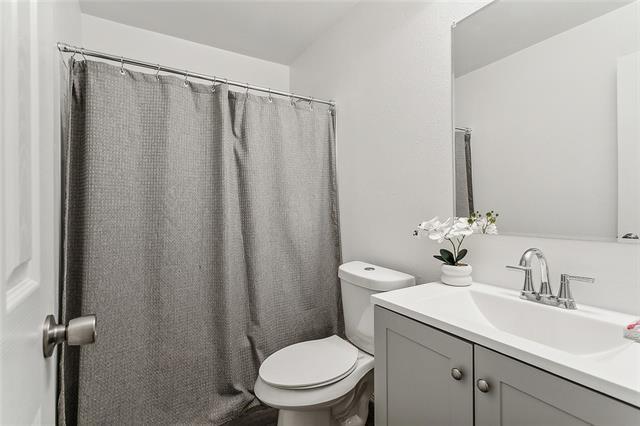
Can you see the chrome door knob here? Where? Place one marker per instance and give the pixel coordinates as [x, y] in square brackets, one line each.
[483, 385]
[79, 331]
[456, 373]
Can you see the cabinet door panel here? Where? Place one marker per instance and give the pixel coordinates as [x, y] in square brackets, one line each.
[413, 382]
[522, 395]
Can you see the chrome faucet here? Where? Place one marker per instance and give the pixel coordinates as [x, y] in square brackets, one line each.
[528, 291]
[564, 299]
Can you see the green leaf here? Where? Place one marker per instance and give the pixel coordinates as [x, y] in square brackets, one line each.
[461, 254]
[448, 257]
[440, 258]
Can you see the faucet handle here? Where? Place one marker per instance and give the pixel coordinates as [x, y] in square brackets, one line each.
[527, 288]
[565, 298]
[567, 278]
[518, 268]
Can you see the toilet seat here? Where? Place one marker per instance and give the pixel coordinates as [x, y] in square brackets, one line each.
[310, 364]
[322, 396]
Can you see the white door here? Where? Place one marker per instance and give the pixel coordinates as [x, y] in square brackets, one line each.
[29, 210]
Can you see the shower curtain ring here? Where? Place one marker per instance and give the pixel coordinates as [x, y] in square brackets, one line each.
[270, 99]
[122, 65]
[291, 100]
[311, 103]
[82, 53]
[213, 85]
[246, 87]
[186, 78]
[158, 73]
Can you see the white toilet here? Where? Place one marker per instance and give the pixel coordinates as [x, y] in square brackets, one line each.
[330, 381]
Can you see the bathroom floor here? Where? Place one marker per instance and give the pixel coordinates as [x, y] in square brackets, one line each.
[267, 416]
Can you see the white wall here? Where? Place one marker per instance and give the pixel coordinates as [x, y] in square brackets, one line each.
[389, 68]
[544, 130]
[112, 37]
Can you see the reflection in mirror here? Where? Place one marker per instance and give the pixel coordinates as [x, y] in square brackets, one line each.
[546, 107]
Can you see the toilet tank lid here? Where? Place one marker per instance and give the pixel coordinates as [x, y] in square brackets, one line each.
[374, 277]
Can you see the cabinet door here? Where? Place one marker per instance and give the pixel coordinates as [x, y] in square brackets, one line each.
[413, 377]
[520, 394]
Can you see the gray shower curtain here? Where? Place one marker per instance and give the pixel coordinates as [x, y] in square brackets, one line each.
[202, 230]
[463, 174]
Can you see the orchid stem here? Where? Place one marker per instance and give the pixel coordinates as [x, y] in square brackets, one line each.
[455, 252]
[460, 242]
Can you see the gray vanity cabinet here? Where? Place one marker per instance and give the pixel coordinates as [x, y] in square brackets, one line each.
[414, 382]
[520, 394]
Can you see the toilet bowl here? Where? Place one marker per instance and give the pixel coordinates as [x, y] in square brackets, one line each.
[336, 397]
[330, 381]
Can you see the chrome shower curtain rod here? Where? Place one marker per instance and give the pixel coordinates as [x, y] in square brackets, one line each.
[63, 47]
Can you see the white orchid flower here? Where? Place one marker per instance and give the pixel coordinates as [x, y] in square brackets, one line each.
[439, 234]
[491, 229]
[425, 227]
[455, 230]
[441, 231]
[429, 225]
[479, 224]
[461, 228]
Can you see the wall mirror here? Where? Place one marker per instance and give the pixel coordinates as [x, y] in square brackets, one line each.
[547, 117]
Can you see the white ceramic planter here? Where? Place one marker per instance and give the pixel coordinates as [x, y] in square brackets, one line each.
[459, 276]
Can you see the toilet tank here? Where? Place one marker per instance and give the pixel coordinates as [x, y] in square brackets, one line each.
[358, 281]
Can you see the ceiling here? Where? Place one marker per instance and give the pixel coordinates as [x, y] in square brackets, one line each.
[508, 26]
[276, 31]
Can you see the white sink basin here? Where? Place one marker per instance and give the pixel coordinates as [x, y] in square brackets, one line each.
[575, 331]
[584, 345]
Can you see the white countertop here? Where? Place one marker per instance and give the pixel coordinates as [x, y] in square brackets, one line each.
[609, 363]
